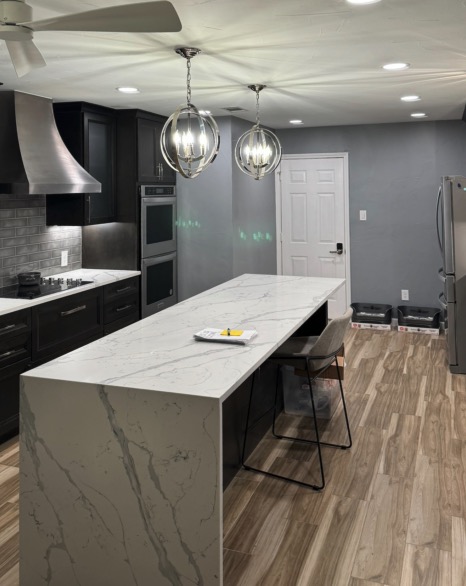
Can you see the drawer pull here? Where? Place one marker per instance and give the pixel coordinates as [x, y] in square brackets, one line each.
[124, 289]
[75, 310]
[124, 307]
[11, 352]
[10, 327]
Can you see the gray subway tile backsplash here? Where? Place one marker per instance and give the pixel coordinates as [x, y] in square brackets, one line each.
[27, 244]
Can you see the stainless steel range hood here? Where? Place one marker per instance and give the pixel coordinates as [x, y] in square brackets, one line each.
[33, 157]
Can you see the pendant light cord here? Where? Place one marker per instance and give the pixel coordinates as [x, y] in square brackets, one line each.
[188, 82]
[257, 109]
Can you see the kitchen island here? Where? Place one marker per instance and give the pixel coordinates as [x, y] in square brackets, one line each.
[121, 440]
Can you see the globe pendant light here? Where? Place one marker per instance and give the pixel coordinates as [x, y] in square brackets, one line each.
[258, 151]
[189, 140]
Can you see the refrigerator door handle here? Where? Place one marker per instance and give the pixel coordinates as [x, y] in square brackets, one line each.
[447, 226]
[442, 301]
[439, 197]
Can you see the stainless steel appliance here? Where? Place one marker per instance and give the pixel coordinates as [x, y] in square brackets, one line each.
[158, 220]
[158, 248]
[158, 283]
[451, 232]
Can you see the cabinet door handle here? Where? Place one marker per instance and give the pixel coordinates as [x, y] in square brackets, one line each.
[9, 327]
[124, 307]
[11, 352]
[124, 289]
[71, 311]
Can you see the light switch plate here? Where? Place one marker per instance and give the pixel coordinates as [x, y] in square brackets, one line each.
[405, 295]
[362, 215]
[64, 258]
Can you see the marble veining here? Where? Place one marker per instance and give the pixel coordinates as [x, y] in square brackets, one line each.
[160, 354]
[107, 491]
[99, 277]
[121, 441]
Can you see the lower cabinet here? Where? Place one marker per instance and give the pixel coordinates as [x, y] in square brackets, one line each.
[121, 305]
[15, 358]
[31, 337]
[9, 397]
[66, 324]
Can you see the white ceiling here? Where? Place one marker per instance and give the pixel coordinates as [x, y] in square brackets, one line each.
[321, 60]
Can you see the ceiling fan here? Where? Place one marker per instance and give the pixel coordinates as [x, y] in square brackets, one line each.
[17, 28]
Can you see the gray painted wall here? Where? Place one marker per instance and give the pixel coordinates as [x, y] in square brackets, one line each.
[394, 174]
[226, 220]
[27, 244]
[205, 254]
[254, 233]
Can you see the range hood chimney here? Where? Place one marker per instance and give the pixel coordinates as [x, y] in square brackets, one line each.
[33, 156]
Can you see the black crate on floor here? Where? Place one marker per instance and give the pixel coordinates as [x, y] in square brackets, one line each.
[376, 316]
[425, 320]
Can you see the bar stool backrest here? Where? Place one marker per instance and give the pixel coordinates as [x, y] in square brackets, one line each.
[330, 340]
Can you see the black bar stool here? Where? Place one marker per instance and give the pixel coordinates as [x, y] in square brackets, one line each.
[313, 354]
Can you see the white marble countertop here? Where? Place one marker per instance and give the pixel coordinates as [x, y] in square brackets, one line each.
[99, 277]
[160, 354]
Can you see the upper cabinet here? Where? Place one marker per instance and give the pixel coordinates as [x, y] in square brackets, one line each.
[139, 147]
[89, 132]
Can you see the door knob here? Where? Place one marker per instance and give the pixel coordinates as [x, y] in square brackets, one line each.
[339, 249]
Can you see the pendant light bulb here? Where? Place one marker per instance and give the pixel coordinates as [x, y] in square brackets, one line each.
[258, 151]
[189, 140]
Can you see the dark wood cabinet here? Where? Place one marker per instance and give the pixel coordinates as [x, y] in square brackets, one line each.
[89, 132]
[15, 358]
[138, 148]
[121, 304]
[9, 397]
[66, 324]
[31, 337]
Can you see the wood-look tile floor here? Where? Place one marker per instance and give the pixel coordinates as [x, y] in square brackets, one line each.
[394, 508]
[9, 510]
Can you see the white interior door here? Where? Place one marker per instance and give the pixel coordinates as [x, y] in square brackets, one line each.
[314, 218]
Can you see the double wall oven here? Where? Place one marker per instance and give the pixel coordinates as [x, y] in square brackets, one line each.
[158, 248]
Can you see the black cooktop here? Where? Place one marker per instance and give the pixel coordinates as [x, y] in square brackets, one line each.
[46, 287]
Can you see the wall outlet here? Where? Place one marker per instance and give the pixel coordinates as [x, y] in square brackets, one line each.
[64, 258]
[362, 215]
[405, 295]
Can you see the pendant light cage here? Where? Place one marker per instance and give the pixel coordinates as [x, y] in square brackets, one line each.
[190, 140]
[258, 151]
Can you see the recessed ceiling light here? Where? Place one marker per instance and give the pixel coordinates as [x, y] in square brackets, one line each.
[396, 66]
[203, 112]
[362, 1]
[128, 90]
[296, 121]
[419, 115]
[410, 98]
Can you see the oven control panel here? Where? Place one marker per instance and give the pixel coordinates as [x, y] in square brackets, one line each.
[156, 190]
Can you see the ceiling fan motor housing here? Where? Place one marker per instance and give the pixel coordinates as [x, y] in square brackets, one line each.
[12, 12]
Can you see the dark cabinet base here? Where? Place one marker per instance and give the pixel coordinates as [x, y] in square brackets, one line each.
[235, 408]
[9, 398]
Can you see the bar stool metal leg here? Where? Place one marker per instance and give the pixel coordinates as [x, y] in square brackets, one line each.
[266, 472]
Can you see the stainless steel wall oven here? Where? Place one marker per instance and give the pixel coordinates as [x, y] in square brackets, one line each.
[158, 220]
[158, 248]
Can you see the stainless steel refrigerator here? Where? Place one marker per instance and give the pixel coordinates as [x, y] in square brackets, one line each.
[451, 232]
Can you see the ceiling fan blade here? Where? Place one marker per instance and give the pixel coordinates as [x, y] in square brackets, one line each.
[25, 56]
[144, 17]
